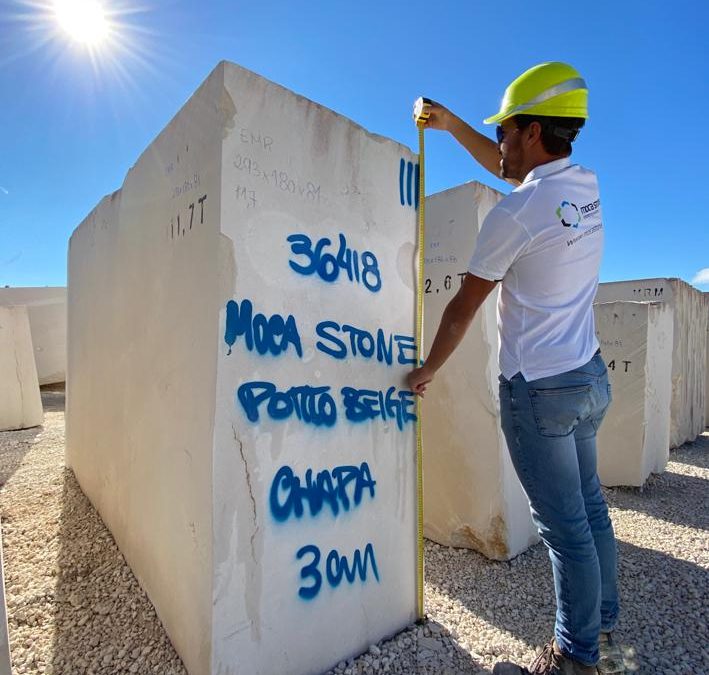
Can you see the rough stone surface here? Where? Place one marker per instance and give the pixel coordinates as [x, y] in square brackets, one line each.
[689, 349]
[46, 308]
[211, 373]
[20, 403]
[636, 340]
[706, 376]
[472, 495]
[75, 607]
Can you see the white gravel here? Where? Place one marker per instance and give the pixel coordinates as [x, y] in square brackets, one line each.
[75, 607]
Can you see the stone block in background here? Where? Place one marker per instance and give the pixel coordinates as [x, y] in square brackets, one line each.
[472, 496]
[46, 308]
[636, 343]
[20, 400]
[689, 351]
[241, 320]
[706, 367]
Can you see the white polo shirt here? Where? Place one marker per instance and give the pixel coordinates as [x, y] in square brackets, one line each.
[544, 241]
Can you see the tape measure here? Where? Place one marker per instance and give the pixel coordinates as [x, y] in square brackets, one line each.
[421, 114]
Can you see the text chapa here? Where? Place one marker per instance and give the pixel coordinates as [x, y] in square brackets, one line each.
[337, 489]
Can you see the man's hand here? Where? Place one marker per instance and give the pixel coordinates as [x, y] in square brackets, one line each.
[418, 379]
[482, 148]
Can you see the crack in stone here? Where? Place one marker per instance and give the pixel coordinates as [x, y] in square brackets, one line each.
[251, 492]
[19, 381]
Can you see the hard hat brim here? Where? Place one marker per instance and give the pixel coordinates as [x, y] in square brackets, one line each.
[499, 117]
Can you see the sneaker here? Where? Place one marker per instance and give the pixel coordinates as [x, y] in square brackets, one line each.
[550, 662]
[611, 657]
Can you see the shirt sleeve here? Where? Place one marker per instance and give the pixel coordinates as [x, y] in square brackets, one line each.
[501, 240]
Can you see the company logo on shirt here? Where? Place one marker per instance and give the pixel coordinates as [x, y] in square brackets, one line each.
[589, 209]
[568, 214]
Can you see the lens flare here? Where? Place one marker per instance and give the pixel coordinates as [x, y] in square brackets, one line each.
[95, 46]
[83, 20]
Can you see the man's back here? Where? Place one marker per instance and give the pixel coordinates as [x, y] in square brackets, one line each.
[545, 241]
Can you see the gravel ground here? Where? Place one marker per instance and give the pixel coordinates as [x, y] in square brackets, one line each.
[75, 607]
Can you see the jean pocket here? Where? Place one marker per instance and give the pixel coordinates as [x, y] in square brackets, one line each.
[558, 411]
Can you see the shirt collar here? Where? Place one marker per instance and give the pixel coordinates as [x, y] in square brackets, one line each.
[548, 168]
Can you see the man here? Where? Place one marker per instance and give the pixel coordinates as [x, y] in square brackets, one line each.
[543, 243]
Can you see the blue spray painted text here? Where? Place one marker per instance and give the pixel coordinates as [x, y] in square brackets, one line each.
[288, 494]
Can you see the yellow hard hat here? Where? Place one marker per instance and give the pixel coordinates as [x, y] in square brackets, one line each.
[549, 89]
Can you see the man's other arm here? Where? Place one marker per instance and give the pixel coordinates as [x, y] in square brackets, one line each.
[454, 324]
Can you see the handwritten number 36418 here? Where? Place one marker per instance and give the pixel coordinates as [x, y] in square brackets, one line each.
[362, 268]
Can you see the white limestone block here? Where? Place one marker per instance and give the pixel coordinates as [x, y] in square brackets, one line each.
[689, 351]
[636, 343]
[241, 320]
[5, 661]
[706, 367]
[46, 307]
[20, 400]
[472, 496]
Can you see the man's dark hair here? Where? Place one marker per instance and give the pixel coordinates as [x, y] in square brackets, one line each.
[557, 132]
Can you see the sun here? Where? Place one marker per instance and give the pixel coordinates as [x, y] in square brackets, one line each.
[112, 38]
[83, 20]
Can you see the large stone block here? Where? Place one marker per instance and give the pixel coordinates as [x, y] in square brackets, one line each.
[46, 307]
[636, 341]
[689, 351]
[241, 319]
[5, 661]
[472, 496]
[20, 400]
[706, 367]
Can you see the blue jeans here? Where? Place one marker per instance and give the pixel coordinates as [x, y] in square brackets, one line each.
[550, 425]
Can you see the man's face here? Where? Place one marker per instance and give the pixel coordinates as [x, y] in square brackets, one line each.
[511, 151]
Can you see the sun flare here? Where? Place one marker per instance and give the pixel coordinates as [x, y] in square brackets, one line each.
[83, 20]
[98, 41]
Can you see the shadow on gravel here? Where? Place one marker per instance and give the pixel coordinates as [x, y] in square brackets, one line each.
[516, 596]
[670, 496]
[665, 497]
[663, 610]
[14, 445]
[662, 603]
[694, 453]
[104, 623]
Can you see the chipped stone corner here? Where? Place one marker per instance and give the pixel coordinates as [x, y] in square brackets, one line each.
[492, 543]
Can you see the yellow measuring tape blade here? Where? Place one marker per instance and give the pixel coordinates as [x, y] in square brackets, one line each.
[419, 358]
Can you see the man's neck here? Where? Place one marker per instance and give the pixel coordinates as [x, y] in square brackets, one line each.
[539, 160]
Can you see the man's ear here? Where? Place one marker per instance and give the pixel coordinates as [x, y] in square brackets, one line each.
[534, 133]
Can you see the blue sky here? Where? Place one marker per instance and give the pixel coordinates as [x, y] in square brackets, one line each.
[73, 121]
